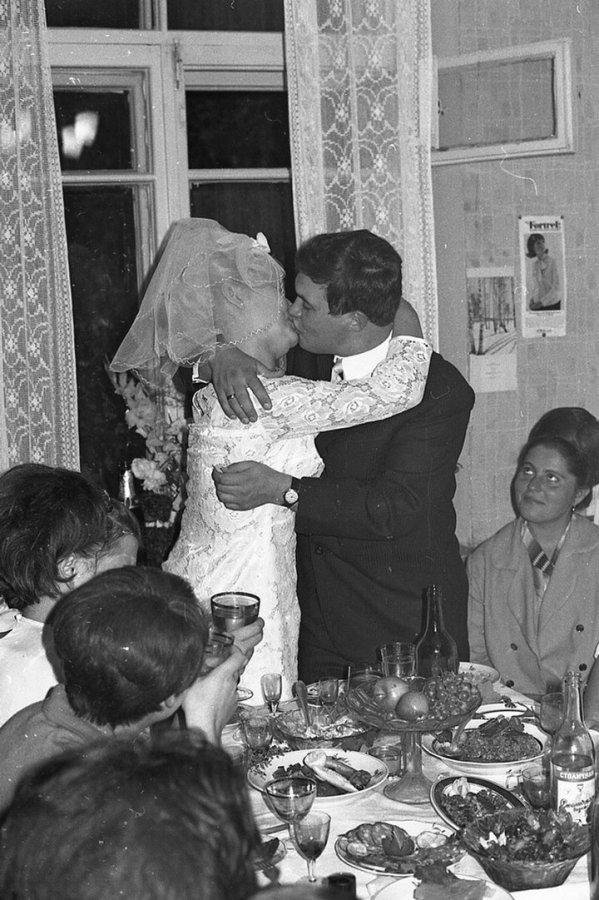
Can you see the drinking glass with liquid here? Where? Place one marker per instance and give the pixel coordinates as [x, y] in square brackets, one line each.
[234, 609]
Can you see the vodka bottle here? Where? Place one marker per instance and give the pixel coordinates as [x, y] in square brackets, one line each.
[572, 759]
[436, 650]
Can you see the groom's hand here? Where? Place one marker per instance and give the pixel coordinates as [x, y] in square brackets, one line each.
[245, 485]
[234, 374]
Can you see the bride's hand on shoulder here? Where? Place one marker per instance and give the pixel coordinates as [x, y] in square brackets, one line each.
[234, 375]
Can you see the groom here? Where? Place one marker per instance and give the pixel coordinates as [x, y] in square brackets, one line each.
[379, 525]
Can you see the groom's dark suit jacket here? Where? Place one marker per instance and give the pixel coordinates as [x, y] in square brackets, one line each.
[379, 526]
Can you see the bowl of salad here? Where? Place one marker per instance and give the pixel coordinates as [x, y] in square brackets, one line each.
[525, 849]
[343, 731]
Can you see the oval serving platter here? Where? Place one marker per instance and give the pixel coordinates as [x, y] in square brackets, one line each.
[375, 767]
[414, 827]
[474, 785]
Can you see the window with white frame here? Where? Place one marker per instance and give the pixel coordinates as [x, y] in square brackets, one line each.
[154, 125]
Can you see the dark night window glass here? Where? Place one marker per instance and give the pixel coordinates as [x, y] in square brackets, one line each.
[102, 262]
[237, 129]
[91, 14]
[225, 15]
[250, 207]
[94, 129]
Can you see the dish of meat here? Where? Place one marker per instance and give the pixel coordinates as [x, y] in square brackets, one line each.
[461, 800]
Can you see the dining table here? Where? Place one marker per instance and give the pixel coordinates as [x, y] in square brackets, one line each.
[374, 806]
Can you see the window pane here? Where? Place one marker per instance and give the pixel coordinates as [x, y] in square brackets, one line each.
[237, 129]
[94, 129]
[91, 14]
[250, 208]
[223, 15]
[103, 268]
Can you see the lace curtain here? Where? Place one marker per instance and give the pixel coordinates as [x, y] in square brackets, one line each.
[359, 77]
[38, 398]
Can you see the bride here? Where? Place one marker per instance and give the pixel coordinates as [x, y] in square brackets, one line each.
[212, 286]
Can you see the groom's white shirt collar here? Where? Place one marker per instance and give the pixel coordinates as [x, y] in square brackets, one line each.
[361, 365]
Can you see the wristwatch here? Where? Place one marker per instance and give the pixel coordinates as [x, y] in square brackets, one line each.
[291, 495]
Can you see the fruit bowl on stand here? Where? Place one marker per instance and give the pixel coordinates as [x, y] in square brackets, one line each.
[452, 700]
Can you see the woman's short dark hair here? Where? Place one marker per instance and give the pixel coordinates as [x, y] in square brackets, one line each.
[530, 244]
[128, 639]
[361, 270]
[577, 463]
[576, 425]
[47, 514]
[162, 820]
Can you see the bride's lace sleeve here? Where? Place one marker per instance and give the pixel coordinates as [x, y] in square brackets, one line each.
[301, 407]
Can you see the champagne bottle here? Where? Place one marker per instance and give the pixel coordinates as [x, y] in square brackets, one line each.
[436, 650]
[128, 497]
[572, 759]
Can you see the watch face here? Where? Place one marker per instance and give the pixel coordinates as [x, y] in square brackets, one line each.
[290, 496]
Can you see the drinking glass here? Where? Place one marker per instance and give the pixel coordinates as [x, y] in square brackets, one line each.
[232, 610]
[536, 786]
[290, 798]
[398, 658]
[272, 687]
[361, 674]
[551, 711]
[257, 731]
[328, 692]
[310, 836]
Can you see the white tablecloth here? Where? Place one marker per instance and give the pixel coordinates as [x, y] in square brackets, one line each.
[374, 806]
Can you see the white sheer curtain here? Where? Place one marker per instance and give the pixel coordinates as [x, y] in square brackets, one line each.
[360, 76]
[38, 397]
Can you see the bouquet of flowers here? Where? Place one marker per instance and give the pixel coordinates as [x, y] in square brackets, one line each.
[158, 415]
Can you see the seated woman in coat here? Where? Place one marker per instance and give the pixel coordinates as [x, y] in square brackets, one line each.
[533, 608]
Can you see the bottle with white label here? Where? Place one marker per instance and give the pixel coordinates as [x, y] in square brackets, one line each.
[572, 759]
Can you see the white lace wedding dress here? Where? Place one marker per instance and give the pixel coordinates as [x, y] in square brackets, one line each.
[222, 550]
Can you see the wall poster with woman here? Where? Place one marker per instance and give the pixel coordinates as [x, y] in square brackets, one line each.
[543, 276]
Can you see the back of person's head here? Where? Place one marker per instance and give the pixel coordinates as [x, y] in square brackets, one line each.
[169, 821]
[361, 270]
[576, 425]
[128, 640]
[48, 515]
[577, 462]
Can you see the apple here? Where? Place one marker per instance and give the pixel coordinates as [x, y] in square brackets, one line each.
[412, 705]
[388, 690]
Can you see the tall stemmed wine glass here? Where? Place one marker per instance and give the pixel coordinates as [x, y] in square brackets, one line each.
[272, 687]
[310, 836]
[290, 798]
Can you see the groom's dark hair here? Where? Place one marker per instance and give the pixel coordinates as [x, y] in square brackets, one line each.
[361, 270]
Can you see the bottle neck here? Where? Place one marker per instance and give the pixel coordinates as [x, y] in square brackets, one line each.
[572, 701]
[127, 489]
[434, 609]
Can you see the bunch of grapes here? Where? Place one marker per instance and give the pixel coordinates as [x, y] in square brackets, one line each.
[450, 695]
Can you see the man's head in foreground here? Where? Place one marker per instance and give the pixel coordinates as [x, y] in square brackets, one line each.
[171, 821]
